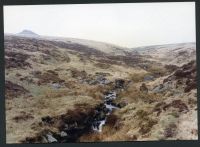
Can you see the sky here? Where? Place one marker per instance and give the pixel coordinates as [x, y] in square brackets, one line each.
[125, 24]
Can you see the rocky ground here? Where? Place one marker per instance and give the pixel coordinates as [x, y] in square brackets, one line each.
[66, 90]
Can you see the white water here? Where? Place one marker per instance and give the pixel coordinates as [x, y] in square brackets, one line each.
[110, 96]
[99, 128]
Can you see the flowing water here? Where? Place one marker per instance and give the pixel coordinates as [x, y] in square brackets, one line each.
[110, 106]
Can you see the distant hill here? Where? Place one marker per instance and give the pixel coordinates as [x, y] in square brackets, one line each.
[28, 33]
[90, 44]
[178, 54]
[101, 46]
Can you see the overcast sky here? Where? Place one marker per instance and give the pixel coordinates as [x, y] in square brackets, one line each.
[128, 24]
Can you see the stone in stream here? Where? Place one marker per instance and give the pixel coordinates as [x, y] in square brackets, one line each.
[63, 134]
[50, 138]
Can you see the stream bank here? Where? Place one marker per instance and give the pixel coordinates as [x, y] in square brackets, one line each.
[73, 125]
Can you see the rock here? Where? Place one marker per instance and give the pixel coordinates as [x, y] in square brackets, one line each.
[50, 138]
[148, 78]
[144, 88]
[56, 85]
[161, 88]
[63, 134]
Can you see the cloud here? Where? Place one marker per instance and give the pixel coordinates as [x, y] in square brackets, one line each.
[127, 24]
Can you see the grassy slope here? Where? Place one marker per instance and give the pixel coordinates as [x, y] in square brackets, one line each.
[136, 121]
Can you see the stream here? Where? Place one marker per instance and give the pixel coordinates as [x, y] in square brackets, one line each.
[71, 130]
[110, 106]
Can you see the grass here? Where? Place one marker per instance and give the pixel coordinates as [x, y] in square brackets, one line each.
[137, 77]
[136, 121]
[133, 94]
[157, 71]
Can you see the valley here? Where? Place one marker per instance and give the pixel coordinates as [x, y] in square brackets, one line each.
[75, 90]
